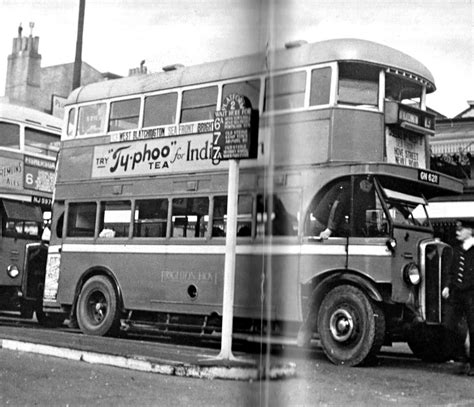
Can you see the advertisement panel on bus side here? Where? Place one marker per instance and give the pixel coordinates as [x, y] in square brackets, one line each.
[158, 156]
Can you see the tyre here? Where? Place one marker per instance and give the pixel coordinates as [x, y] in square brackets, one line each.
[97, 308]
[351, 326]
[434, 343]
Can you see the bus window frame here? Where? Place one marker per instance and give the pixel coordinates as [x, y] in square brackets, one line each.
[161, 92]
[210, 85]
[262, 77]
[20, 127]
[171, 214]
[392, 223]
[66, 229]
[109, 118]
[252, 220]
[71, 127]
[168, 199]
[354, 104]
[106, 118]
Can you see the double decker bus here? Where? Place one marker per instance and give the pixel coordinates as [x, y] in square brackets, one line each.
[139, 216]
[29, 143]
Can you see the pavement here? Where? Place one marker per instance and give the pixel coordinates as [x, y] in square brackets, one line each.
[145, 356]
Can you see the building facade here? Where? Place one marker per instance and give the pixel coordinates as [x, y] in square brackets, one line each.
[452, 148]
[44, 89]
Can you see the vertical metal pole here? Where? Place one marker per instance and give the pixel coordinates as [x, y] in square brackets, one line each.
[229, 270]
[76, 79]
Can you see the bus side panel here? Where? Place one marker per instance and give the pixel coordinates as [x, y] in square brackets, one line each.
[290, 136]
[78, 158]
[356, 135]
[321, 257]
[371, 258]
[192, 283]
[285, 288]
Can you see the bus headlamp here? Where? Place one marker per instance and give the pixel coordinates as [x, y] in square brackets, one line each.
[13, 271]
[391, 244]
[411, 274]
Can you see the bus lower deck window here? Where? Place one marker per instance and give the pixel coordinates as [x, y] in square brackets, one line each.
[190, 217]
[150, 219]
[244, 216]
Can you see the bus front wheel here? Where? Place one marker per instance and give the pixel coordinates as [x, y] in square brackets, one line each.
[97, 308]
[351, 326]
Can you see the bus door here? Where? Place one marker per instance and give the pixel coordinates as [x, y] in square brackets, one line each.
[368, 254]
[327, 214]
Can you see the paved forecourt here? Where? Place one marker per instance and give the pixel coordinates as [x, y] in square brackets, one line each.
[153, 357]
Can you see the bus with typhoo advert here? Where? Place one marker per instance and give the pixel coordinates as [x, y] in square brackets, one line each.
[327, 245]
[29, 143]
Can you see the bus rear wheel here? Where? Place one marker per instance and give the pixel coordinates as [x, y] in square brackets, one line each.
[351, 326]
[97, 308]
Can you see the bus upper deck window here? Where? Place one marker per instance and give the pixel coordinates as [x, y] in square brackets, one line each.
[70, 122]
[399, 88]
[124, 114]
[320, 86]
[160, 110]
[92, 119]
[41, 142]
[10, 135]
[285, 91]
[199, 104]
[358, 84]
[249, 88]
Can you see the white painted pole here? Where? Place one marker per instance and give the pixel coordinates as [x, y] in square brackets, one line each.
[229, 269]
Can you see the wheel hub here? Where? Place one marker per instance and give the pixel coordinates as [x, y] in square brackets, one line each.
[98, 308]
[341, 325]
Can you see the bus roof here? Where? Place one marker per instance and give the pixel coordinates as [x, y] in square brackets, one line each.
[306, 54]
[24, 114]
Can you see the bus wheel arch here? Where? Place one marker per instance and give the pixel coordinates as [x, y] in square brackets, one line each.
[322, 286]
[98, 304]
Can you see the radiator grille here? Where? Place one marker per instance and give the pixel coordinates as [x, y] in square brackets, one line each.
[436, 257]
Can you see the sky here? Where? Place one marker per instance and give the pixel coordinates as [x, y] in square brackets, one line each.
[118, 34]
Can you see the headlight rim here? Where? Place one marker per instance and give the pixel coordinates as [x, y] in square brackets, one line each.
[412, 274]
[13, 271]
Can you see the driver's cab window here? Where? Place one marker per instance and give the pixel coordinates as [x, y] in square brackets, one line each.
[348, 207]
[373, 221]
[329, 212]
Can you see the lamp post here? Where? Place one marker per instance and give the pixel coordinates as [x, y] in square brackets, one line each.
[76, 79]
